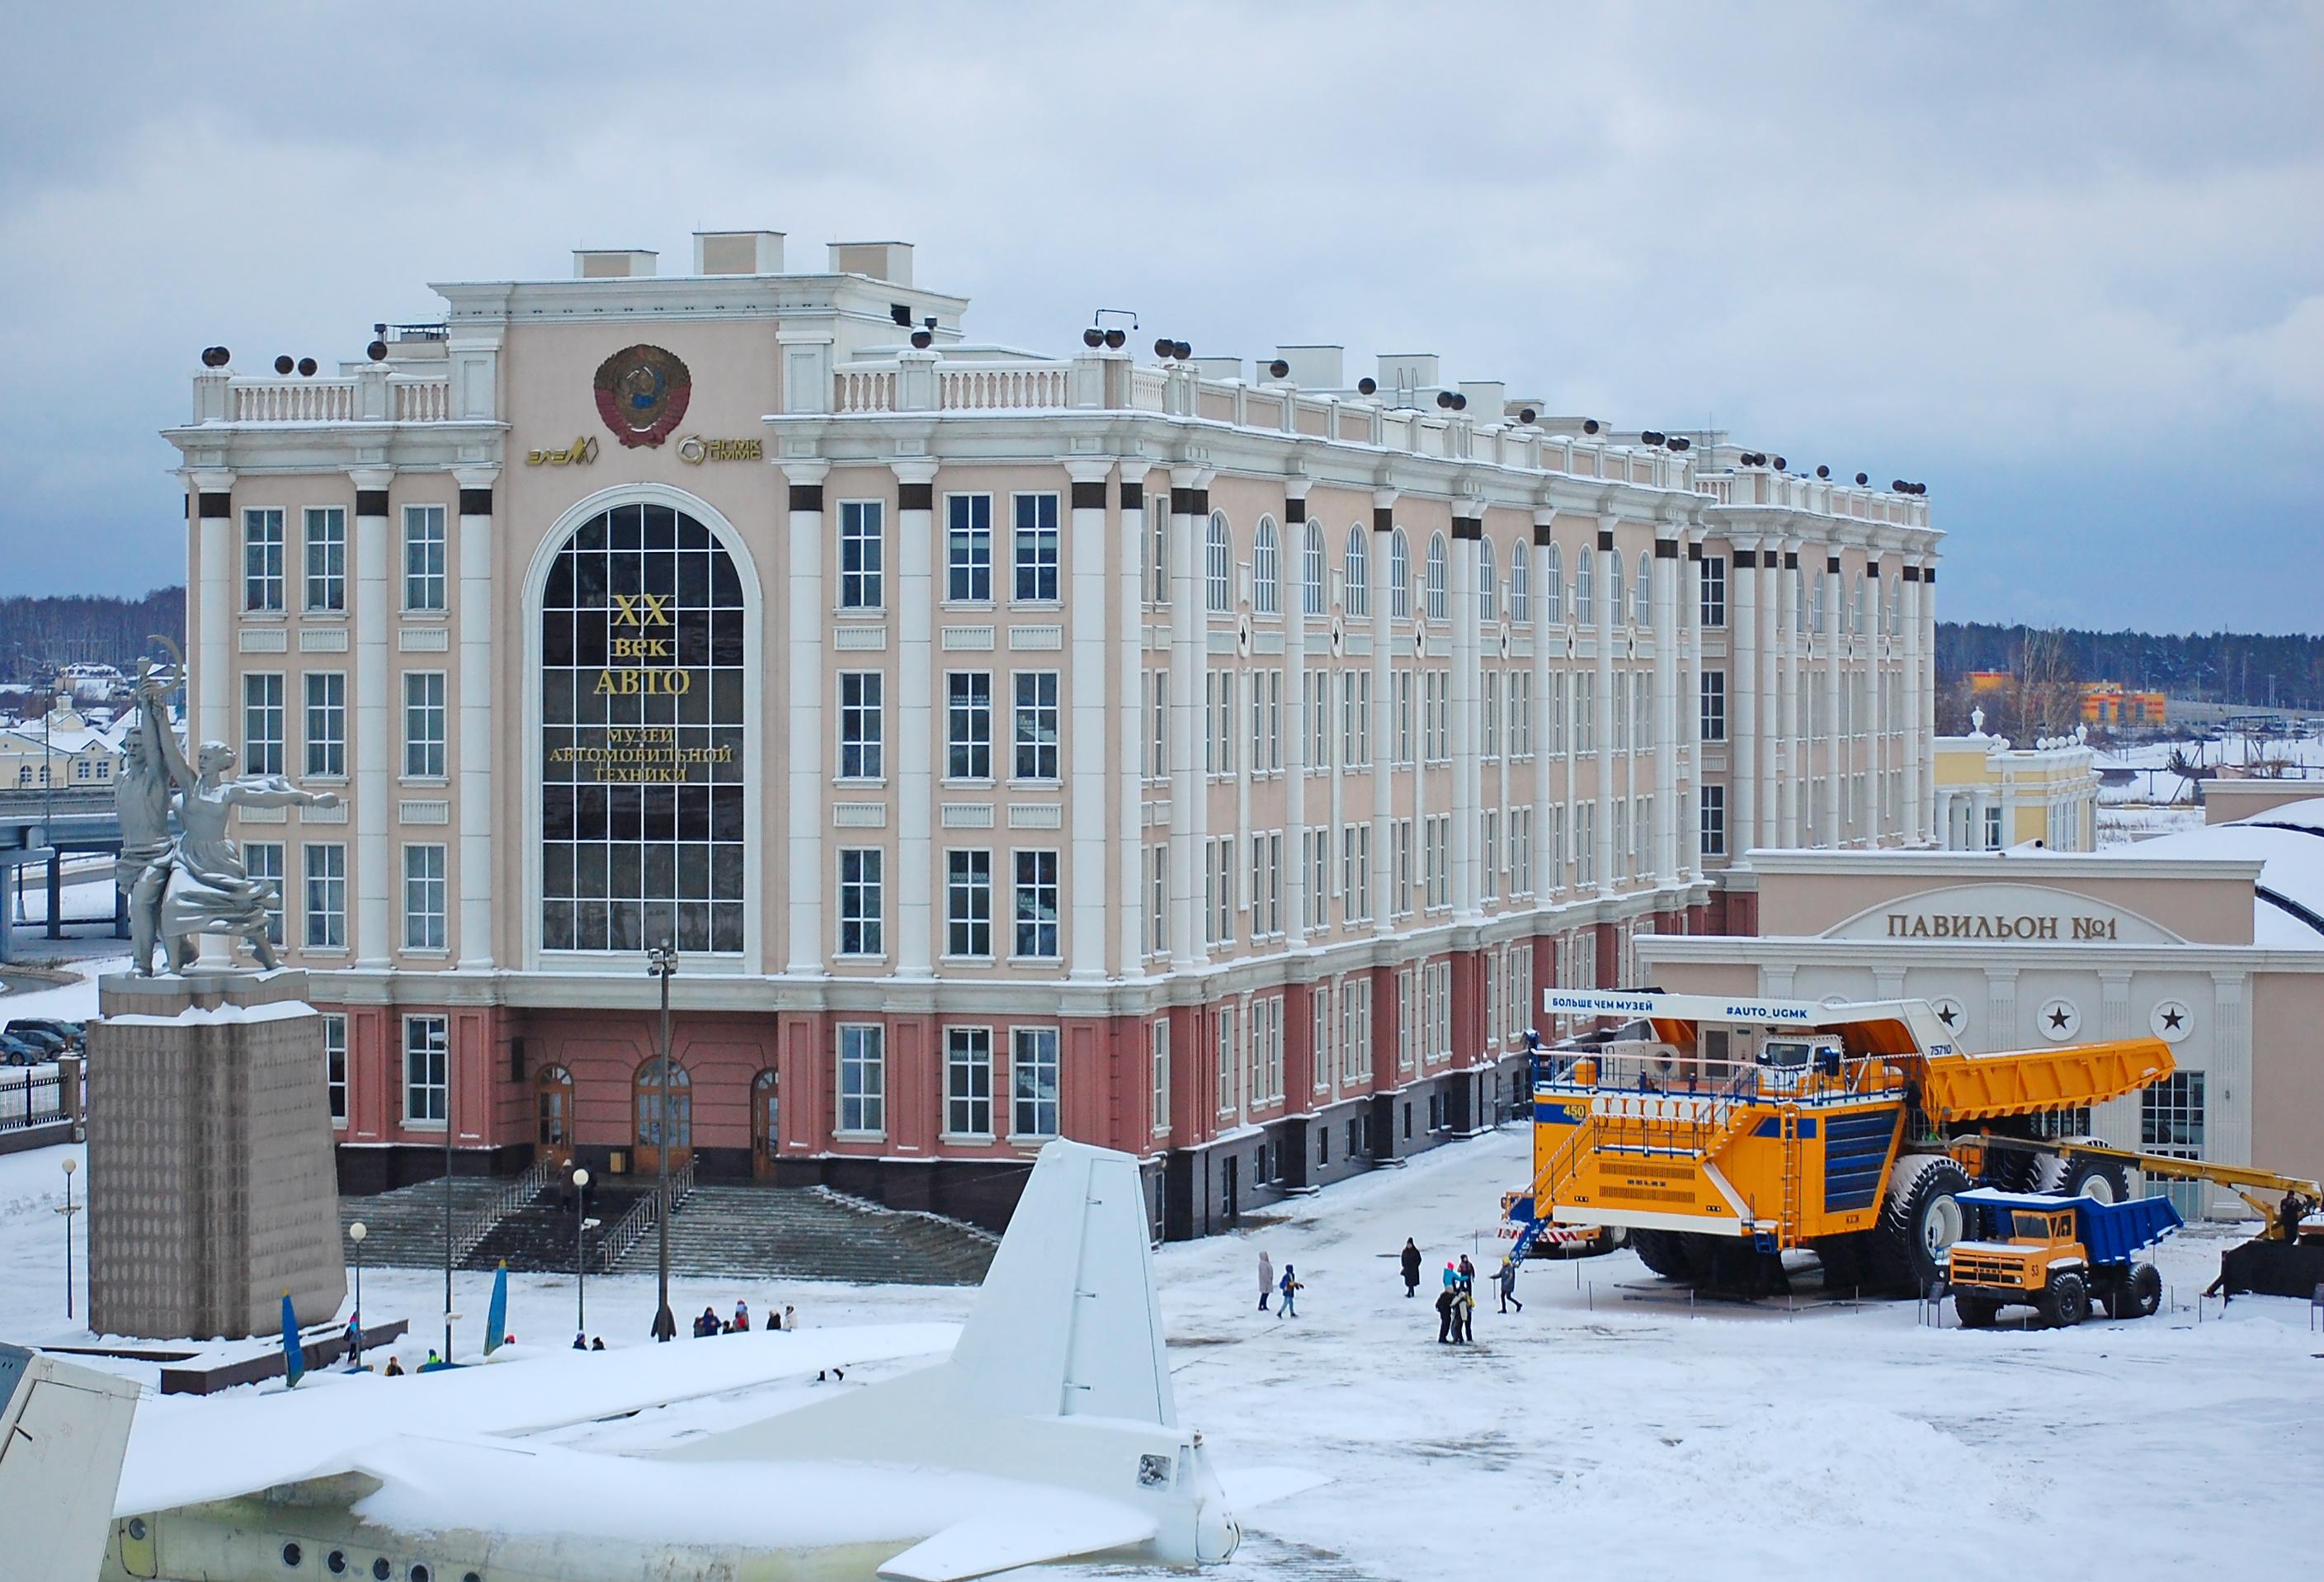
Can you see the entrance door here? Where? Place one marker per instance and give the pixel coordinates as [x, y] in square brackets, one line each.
[765, 1122]
[1228, 1196]
[663, 1119]
[553, 1105]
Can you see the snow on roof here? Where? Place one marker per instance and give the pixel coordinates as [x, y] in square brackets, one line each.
[2288, 910]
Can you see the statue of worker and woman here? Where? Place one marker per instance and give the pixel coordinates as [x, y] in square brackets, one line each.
[191, 882]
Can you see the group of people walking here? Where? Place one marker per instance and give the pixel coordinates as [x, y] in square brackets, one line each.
[710, 1323]
[1456, 1303]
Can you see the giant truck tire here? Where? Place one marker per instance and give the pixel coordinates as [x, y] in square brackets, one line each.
[2139, 1296]
[1921, 1219]
[1846, 1261]
[2066, 1301]
[2068, 1176]
[1659, 1251]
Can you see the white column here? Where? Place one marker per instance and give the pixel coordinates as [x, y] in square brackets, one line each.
[809, 788]
[1917, 743]
[1189, 662]
[1834, 765]
[1466, 533]
[1768, 685]
[373, 735]
[477, 779]
[1788, 594]
[1604, 602]
[1085, 699]
[916, 716]
[1544, 851]
[1130, 818]
[1663, 603]
[1299, 903]
[2230, 1117]
[209, 690]
[1383, 731]
[1876, 753]
[1742, 706]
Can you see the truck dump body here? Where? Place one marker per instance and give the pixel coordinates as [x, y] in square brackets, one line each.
[2109, 1232]
[1970, 1087]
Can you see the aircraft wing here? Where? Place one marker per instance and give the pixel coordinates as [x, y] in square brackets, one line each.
[1062, 1527]
[187, 1451]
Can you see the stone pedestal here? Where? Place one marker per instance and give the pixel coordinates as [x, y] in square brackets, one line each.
[212, 1185]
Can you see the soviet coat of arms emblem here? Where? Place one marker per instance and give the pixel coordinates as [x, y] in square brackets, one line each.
[641, 394]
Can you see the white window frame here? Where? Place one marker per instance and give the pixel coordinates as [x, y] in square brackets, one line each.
[324, 739]
[862, 555]
[968, 1083]
[426, 549]
[862, 902]
[263, 591]
[1034, 1107]
[425, 725]
[427, 1063]
[1036, 548]
[968, 548]
[426, 896]
[323, 865]
[860, 1051]
[324, 586]
[968, 903]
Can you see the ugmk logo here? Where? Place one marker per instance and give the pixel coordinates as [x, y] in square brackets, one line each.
[641, 609]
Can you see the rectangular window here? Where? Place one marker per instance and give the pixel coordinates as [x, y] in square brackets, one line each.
[1714, 705]
[1585, 843]
[1158, 552]
[968, 548]
[424, 897]
[1408, 1025]
[968, 903]
[423, 558]
[1218, 890]
[1714, 820]
[1319, 1035]
[1033, 1073]
[1356, 872]
[968, 723]
[1154, 761]
[1713, 570]
[1222, 1030]
[1035, 556]
[1521, 851]
[860, 901]
[1159, 1070]
[423, 724]
[427, 1061]
[862, 729]
[326, 560]
[335, 1066]
[262, 560]
[862, 1078]
[1490, 748]
[327, 897]
[1585, 716]
[1400, 846]
[263, 860]
[1036, 732]
[1355, 1029]
[968, 1081]
[1489, 854]
[1644, 681]
[327, 723]
[1157, 899]
[262, 723]
[1993, 829]
[1036, 904]
[1318, 914]
[862, 554]
[1400, 705]
[1521, 714]
[1557, 713]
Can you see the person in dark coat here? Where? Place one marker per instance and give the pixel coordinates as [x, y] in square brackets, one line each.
[1506, 1280]
[1465, 1316]
[774, 1318]
[1468, 1275]
[597, 1343]
[580, 1341]
[1444, 1299]
[1411, 1268]
[665, 1325]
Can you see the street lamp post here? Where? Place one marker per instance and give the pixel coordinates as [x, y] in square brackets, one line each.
[580, 1258]
[445, 1049]
[355, 1233]
[661, 961]
[69, 1210]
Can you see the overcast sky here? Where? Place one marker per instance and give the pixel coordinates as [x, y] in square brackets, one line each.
[2064, 264]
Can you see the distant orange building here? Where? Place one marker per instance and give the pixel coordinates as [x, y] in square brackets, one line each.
[2108, 703]
[1981, 682]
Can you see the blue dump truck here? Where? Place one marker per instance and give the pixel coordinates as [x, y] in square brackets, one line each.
[2058, 1255]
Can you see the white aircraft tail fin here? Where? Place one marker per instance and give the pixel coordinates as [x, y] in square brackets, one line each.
[62, 1432]
[1069, 1324]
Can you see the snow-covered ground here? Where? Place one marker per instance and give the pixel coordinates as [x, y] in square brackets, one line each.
[2154, 784]
[1611, 1429]
[2126, 825]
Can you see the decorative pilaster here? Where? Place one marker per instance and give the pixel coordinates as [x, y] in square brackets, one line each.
[916, 721]
[1085, 702]
[1129, 816]
[1190, 510]
[808, 784]
[1468, 532]
[476, 778]
[372, 738]
[1663, 602]
[1545, 855]
[1742, 704]
[1605, 601]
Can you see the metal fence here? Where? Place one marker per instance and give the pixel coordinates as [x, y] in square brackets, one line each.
[31, 1097]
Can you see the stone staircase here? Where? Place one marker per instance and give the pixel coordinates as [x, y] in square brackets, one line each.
[539, 1237]
[808, 1234]
[404, 1228]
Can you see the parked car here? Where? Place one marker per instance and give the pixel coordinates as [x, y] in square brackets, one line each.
[38, 1037]
[70, 1031]
[15, 1052]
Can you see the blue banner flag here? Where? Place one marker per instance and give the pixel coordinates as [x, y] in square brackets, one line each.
[496, 1316]
[294, 1355]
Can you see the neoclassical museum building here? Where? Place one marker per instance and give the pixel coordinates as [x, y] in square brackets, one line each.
[1205, 757]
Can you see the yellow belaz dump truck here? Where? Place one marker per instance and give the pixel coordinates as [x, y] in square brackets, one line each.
[2058, 1255]
[1722, 1132]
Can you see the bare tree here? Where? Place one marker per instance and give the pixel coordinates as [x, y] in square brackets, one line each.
[2049, 693]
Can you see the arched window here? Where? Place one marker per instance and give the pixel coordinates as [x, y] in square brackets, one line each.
[1585, 573]
[1488, 593]
[1266, 570]
[1357, 565]
[1217, 567]
[1436, 577]
[1614, 607]
[1400, 576]
[1552, 591]
[1645, 590]
[1520, 585]
[553, 1105]
[664, 1117]
[1311, 571]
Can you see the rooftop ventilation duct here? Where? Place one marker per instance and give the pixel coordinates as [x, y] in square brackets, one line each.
[614, 263]
[738, 252]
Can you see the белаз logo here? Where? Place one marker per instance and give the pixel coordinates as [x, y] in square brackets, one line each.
[641, 394]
